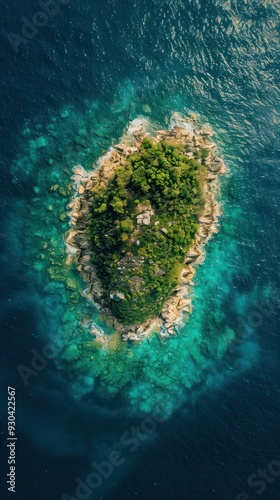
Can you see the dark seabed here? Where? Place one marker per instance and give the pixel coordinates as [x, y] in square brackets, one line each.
[67, 95]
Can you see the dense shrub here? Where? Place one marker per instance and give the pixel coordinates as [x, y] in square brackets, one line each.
[143, 261]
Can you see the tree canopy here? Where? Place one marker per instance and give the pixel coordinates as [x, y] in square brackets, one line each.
[141, 258]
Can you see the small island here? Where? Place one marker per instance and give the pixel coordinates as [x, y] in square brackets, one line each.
[140, 220]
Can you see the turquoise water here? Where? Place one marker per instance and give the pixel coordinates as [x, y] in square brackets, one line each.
[145, 373]
[69, 96]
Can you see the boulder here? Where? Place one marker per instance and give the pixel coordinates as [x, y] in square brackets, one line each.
[145, 216]
[184, 303]
[146, 221]
[80, 171]
[84, 259]
[117, 296]
[169, 312]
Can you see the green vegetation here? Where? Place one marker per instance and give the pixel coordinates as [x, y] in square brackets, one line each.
[142, 224]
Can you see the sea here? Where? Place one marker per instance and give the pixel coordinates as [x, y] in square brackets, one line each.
[195, 417]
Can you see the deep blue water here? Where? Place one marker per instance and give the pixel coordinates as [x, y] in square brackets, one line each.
[221, 60]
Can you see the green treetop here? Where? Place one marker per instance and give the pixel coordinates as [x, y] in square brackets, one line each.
[140, 258]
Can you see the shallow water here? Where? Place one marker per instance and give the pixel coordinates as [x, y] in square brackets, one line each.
[67, 96]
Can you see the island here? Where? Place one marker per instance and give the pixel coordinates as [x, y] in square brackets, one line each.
[140, 220]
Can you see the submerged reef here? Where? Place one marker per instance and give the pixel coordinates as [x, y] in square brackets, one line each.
[140, 219]
[154, 365]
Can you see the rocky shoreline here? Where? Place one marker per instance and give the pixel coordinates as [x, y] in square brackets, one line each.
[189, 132]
